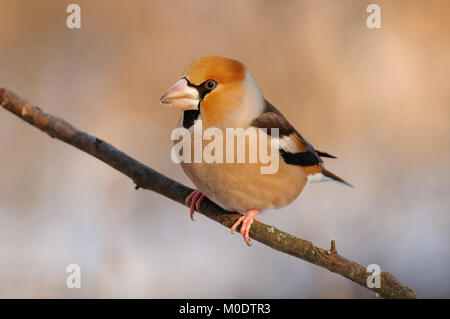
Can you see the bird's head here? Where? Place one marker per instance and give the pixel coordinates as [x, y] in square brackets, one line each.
[214, 85]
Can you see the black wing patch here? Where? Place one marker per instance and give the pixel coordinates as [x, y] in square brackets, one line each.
[303, 159]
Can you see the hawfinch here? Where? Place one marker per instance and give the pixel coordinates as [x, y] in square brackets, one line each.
[222, 94]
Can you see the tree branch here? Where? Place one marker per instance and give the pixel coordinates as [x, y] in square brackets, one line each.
[147, 178]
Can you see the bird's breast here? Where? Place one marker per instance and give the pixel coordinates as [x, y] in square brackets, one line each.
[242, 186]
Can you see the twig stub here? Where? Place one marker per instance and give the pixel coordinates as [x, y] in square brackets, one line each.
[332, 250]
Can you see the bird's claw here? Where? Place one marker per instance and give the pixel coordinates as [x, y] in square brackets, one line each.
[194, 200]
[246, 222]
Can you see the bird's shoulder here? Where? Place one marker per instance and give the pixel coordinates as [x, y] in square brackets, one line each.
[293, 147]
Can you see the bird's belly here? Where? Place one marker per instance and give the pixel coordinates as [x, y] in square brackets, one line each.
[241, 186]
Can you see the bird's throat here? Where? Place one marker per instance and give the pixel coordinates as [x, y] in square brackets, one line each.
[189, 117]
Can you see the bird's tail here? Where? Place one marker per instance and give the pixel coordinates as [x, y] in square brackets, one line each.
[334, 177]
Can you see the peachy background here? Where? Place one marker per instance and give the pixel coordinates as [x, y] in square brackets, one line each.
[379, 99]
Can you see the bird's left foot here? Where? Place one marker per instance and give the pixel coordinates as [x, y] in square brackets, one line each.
[194, 200]
[247, 221]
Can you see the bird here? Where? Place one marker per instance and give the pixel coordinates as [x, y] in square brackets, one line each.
[221, 93]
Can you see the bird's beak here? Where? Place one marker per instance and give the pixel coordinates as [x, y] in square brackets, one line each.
[181, 95]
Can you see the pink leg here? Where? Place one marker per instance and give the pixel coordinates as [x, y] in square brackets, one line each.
[194, 200]
[247, 221]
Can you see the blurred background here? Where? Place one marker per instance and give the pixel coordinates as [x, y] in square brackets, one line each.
[379, 99]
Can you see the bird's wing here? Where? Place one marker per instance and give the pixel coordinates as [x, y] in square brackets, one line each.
[293, 147]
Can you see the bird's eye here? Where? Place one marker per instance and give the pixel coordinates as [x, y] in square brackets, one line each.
[211, 84]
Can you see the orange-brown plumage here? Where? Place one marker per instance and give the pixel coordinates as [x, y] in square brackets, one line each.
[215, 67]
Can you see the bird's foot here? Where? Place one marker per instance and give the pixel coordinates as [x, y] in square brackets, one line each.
[194, 200]
[247, 221]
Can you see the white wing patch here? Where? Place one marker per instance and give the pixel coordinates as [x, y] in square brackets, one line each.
[288, 144]
[318, 177]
